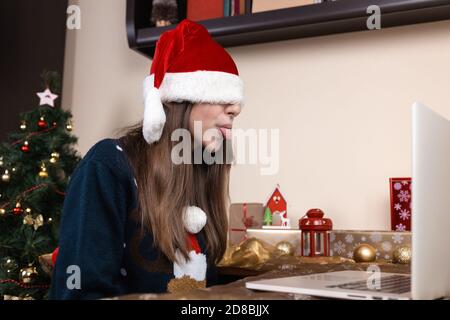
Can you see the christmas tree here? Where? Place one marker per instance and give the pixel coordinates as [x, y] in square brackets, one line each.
[35, 167]
[267, 217]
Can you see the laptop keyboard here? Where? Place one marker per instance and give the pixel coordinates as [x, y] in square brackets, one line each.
[389, 284]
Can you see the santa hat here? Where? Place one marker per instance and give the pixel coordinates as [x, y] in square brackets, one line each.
[188, 65]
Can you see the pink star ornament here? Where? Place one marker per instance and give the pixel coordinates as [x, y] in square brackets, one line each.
[47, 97]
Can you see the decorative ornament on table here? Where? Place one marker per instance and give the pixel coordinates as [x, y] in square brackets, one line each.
[401, 206]
[243, 216]
[6, 176]
[43, 173]
[28, 274]
[315, 236]
[286, 247]
[18, 209]
[47, 98]
[42, 124]
[190, 274]
[402, 255]
[25, 147]
[164, 12]
[276, 207]
[365, 253]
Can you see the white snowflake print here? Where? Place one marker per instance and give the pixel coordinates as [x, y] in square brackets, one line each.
[397, 186]
[350, 255]
[404, 182]
[404, 196]
[387, 257]
[397, 238]
[349, 238]
[332, 237]
[400, 227]
[339, 247]
[397, 206]
[386, 246]
[375, 237]
[363, 238]
[404, 214]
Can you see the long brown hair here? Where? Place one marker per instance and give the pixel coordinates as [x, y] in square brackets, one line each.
[165, 189]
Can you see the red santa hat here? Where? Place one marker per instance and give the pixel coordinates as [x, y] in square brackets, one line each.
[188, 65]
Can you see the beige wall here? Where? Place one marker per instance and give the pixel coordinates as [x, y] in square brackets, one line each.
[341, 102]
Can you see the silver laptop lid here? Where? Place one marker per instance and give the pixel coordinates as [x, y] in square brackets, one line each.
[430, 204]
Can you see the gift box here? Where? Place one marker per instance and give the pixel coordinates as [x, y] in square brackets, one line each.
[275, 236]
[243, 216]
[344, 242]
[400, 204]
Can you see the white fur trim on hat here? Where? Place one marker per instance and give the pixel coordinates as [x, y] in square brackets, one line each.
[154, 115]
[194, 219]
[201, 87]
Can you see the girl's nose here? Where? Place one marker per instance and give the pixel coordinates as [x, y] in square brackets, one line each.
[233, 110]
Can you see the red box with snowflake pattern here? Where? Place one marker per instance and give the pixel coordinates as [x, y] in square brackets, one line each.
[400, 204]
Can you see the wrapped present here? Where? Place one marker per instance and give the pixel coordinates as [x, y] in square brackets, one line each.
[400, 204]
[344, 242]
[244, 216]
[275, 236]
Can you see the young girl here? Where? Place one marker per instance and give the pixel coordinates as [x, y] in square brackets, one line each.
[135, 218]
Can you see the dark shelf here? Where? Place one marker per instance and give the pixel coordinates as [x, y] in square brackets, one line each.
[290, 23]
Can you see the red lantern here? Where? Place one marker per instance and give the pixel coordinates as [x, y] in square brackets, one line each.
[315, 234]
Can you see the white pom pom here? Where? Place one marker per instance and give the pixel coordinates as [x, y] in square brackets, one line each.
[194, 219]
[154, 115]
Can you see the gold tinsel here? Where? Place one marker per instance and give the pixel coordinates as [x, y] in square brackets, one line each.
[256, 254]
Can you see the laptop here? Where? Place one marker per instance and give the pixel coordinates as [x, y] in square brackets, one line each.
[430, 265]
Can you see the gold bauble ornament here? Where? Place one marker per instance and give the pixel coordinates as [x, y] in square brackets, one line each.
[55, 157]
[69, 126]
[286, 247]
[9, 264]
[402, 255]
[6, 176]
[28, 274]
[364, 253]
[43, 173]
[23, 125]
[2, 211]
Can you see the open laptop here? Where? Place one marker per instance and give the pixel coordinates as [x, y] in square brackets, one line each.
[430, 265]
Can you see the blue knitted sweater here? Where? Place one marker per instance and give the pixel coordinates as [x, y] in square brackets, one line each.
[102, 251]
